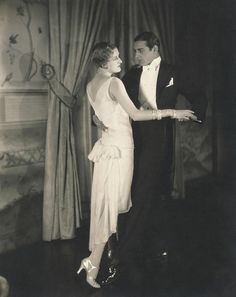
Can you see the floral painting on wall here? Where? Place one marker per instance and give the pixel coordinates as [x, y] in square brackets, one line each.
[23, 42]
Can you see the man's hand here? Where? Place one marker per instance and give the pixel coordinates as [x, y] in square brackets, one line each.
[99, 123]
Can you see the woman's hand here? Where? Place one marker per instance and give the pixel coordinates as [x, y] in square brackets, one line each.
[184, 115]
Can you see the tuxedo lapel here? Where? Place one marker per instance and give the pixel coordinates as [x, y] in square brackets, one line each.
[138, 76]
[135, 84]
[163, 79]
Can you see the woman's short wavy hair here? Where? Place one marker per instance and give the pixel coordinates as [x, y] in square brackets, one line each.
[101, 53]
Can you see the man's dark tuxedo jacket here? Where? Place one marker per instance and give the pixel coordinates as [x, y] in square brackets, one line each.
[153, 140]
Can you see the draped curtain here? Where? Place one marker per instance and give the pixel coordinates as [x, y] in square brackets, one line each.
[73, 27]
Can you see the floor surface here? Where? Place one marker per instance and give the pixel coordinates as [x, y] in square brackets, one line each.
[202, 263]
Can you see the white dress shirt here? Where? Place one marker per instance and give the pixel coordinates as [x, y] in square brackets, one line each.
[148, 82]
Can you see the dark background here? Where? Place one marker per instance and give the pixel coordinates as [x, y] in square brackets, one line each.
[205, 39]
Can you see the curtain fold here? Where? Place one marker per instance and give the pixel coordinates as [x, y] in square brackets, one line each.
[73, 27]
[157, 16]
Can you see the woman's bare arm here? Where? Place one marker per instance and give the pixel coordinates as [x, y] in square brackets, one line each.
[118, 92]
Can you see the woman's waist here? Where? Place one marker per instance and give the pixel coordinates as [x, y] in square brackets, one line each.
[120, 140]
[118, 131]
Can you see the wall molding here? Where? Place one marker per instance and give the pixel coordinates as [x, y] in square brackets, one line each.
[21, 105]
[23, 91]
[22, 157]
[23, 124]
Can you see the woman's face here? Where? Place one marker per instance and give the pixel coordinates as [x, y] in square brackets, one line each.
[114, 62]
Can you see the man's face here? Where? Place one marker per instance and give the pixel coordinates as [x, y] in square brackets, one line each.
[143, 55]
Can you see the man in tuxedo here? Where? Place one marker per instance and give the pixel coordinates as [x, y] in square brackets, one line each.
[151, 84]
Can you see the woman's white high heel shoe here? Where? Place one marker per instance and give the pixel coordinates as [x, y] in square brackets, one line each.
[87, 265]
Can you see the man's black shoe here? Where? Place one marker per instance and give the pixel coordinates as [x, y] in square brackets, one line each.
[111, 247]
[112, 277]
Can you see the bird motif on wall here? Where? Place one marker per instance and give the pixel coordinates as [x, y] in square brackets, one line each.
[13, 38]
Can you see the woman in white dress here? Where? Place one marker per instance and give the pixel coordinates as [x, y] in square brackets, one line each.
[112, 154]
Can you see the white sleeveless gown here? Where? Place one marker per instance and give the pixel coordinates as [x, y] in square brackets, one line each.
[112, 155]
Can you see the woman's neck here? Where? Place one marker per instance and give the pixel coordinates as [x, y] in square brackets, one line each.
[104, 73]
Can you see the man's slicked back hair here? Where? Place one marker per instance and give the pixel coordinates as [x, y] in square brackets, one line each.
[150, 38]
